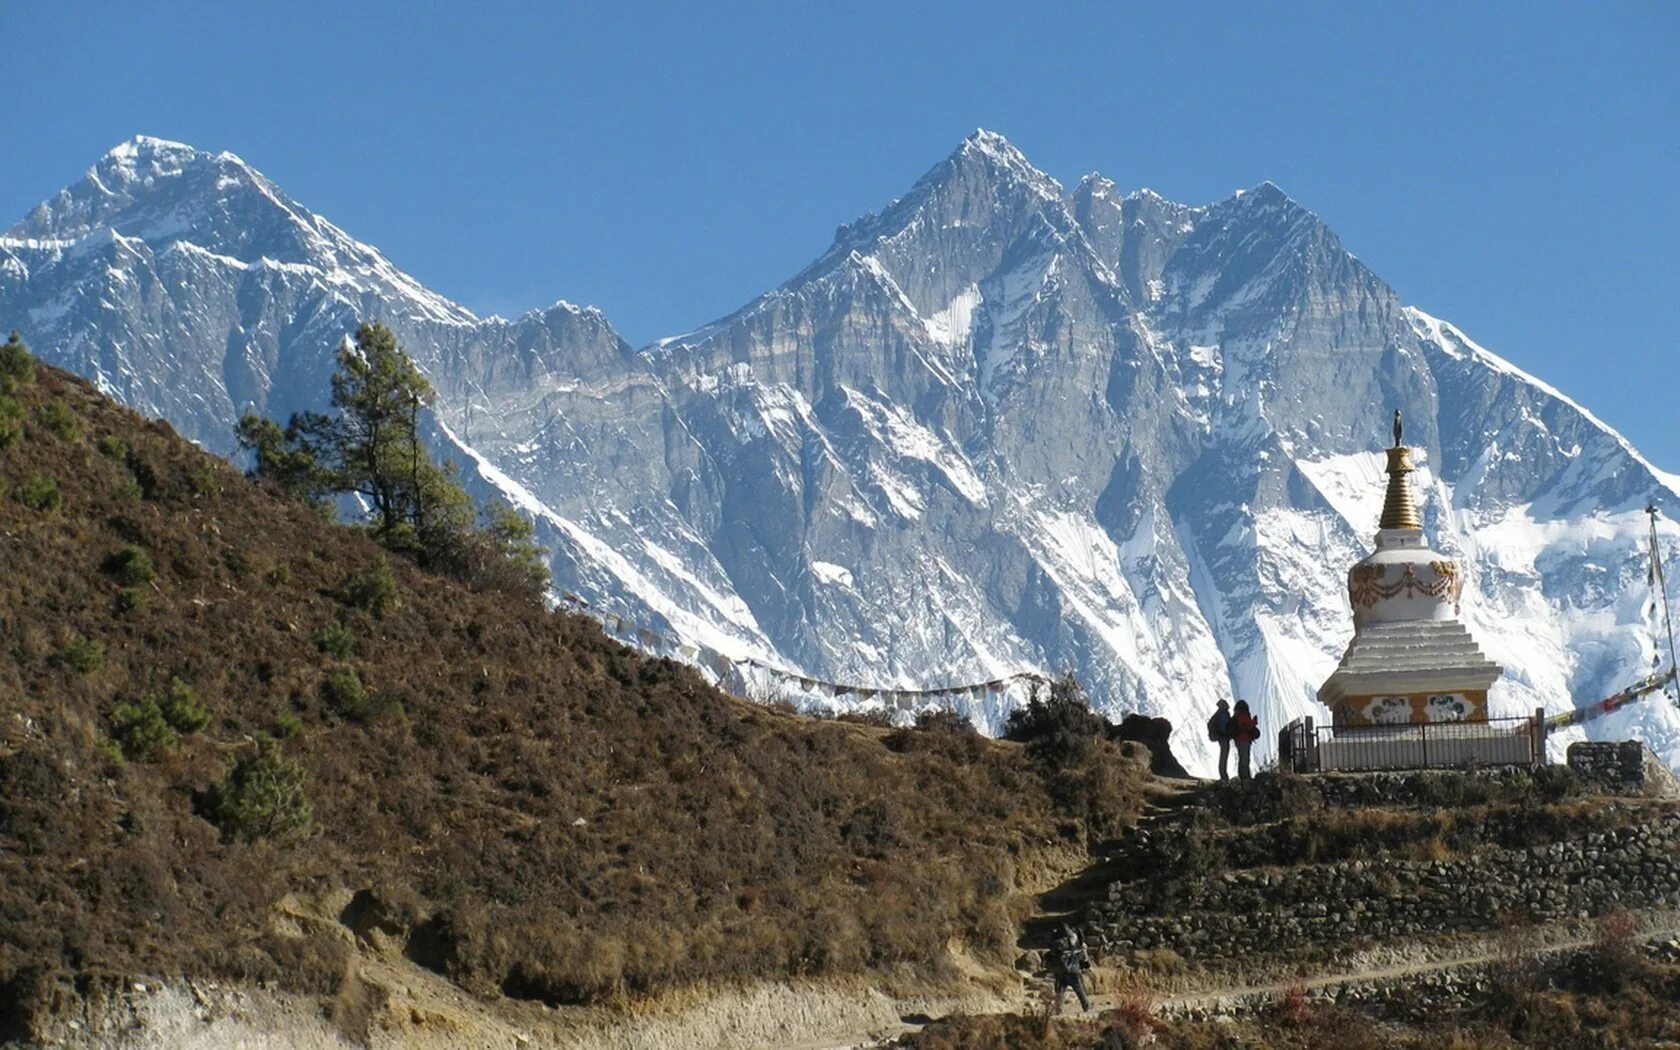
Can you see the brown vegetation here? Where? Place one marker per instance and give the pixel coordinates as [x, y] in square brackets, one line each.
[537, 810]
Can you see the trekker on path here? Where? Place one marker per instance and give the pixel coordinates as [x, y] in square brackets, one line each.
[1245, 730]
[1068, 959]
[1219, 731]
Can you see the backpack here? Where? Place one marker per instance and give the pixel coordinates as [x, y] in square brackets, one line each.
[1219, 726]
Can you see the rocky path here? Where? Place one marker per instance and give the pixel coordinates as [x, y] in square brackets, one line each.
[1168, 799]
[1234, 996]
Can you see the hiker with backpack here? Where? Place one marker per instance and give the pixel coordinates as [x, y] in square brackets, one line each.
[1068, 959]
[1219, 731]
[1244, 730]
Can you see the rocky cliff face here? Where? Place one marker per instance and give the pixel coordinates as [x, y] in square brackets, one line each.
[997, 426]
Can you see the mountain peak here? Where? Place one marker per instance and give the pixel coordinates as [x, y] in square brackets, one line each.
[147, 187]
[145, 157]
[1002, 159]
[1267, 194]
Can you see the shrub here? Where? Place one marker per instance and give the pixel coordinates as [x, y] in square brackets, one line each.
[40, 493]
[1614, 959]
[1135, 1017]
[202, 481]
[1294, 1008]
[499, 556]
[11, 422]
[113, 447]
[878, 718]
[151, 726]
[183, 708]
[141, 729]
[17, 365]
[373, 590]
[287, 725]
[131, 600]
[336, 641]
[263, 797]
[280, 573]
[941, 720]
[110, 751]
[1057, 728]
[81, 655]
[60, 421]
[343, 691]
[131, 567]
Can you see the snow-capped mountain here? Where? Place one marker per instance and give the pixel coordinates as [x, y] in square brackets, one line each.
[998, 426]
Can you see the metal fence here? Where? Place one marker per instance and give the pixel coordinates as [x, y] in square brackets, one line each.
[1306, 748]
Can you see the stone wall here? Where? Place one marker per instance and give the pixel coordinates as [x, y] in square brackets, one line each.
[1616, 765]
[1242, 913]
[1269, 798]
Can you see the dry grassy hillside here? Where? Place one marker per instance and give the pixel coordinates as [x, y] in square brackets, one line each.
[210, 697]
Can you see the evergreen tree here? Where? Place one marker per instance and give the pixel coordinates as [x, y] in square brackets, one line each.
[371, 448]
[17, 366]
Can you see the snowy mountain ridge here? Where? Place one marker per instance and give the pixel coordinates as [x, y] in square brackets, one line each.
[996, 426]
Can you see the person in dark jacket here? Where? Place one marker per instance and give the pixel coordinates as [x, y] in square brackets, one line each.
[1219, 731]
[1245, 730]
[1069, 960]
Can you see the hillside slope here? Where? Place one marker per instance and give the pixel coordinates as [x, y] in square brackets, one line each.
[516, 801]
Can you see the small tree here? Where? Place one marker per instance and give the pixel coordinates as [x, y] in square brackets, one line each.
[263, 797]
[130, 566]
[371, 449]
[141, 728]
[17, 365]
[284, 458]
[183, 708]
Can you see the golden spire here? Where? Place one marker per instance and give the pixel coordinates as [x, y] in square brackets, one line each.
[1399, 512]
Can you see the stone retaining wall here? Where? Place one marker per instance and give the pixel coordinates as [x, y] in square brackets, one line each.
[1244, 913]
[1616, 765]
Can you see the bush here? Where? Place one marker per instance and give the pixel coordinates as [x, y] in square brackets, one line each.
[152, 726]
[202, 481]
[81, 655]
[280, 573]
[878, 718]
[113, 447]
[336, 641]
[373, 590]
[40, 493]
[1614, 959]
[60, 421]
[131, 600]
[499, 556]
[184, 709]
[1057, 728]
[287, 725]
[131, 567]
[941, 720]
[263, 797]
[17, 365]
[11, 425]
[343, 691]
[141, 730]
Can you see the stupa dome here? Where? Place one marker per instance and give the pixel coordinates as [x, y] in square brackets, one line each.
[1410, 660]
[1403, 579]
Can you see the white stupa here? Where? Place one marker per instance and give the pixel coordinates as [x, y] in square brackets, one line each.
[1410, 660]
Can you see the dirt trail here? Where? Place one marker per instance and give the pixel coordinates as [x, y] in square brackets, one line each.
[1234, 994]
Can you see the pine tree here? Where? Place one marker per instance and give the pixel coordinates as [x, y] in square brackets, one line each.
[371, 448]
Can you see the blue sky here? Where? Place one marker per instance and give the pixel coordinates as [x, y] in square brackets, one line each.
[1510, 167]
